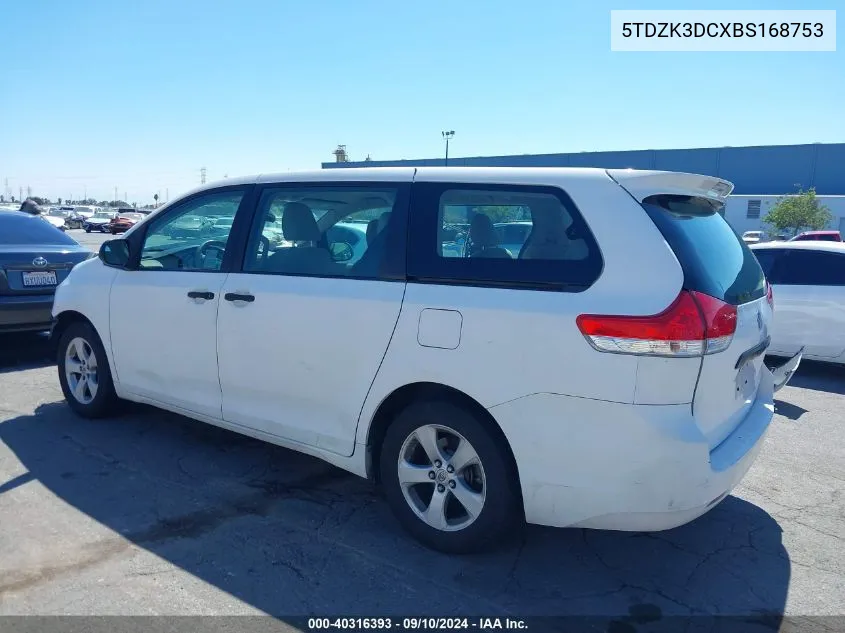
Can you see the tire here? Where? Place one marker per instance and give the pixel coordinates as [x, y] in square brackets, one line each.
[102, 399]
[493, 483]
[87, 229]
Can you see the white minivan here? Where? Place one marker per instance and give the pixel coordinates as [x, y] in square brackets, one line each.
[605, 373]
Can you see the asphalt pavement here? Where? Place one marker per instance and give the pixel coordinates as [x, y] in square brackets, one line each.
[152, 513]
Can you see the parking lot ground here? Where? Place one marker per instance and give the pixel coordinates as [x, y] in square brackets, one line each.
[152, 513]
[90, 240]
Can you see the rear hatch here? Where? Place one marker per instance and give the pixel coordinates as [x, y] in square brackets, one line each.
[35, 257]
[35, 270]
[688, 211]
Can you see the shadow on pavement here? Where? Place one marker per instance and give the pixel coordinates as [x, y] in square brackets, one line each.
[25, 350]
[289, 534]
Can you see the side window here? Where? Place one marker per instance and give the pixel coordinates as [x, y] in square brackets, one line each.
[192, 236]
[767, 258]
[329, 231]
[501, 235]
[811, 268]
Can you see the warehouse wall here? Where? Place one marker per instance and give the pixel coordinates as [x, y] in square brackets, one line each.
[736, 212]
[773, 169]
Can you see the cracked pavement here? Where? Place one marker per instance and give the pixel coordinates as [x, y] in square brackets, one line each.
[152, 513]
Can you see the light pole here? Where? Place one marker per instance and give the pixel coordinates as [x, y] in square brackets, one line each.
[447, 135]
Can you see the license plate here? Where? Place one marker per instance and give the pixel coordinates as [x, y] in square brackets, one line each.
[40, 278]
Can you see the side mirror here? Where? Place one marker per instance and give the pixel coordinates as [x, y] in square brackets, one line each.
[341, 252]
[115, 253]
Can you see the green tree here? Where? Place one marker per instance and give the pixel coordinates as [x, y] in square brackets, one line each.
[800, 212]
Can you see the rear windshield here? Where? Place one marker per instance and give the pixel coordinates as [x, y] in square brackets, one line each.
[715, 260]
[21, 228]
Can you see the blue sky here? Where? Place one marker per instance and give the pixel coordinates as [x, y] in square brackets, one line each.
[140, 95]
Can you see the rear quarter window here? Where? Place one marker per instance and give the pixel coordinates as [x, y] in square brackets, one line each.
[713, 257]
[460, 234]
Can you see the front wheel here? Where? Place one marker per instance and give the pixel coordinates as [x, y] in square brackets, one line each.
[84, 372]
[447, 480]
[87, 229]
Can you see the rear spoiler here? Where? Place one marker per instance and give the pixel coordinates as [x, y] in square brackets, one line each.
[642, 183]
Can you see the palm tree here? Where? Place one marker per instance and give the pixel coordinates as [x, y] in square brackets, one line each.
[155, 197]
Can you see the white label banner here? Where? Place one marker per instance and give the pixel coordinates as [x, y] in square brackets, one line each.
[725, 30]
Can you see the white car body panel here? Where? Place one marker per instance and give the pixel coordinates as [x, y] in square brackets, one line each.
[86, 291]
[812, 317]
[288, 369]
[808, 317]
[601, 440]
[164, 343]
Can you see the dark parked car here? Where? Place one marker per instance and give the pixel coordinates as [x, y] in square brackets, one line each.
[35, 257]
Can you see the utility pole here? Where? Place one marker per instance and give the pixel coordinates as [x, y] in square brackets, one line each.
[115, 195]
[86, 192]
[167, 195]
[28, 191]
[447, 135]
[20, 193]
[202, 176]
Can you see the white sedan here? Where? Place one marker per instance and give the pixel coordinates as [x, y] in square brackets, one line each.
[808, 284]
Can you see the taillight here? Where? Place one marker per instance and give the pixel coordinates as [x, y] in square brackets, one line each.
[769, 296]
[693, 325]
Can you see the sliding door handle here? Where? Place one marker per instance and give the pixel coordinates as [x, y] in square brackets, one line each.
[235, 296]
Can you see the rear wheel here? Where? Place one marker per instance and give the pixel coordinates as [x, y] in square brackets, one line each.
[84, 372]
[447, 480]
[87, 229]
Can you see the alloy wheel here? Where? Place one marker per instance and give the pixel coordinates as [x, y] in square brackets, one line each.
[442, 477]
[81, 370]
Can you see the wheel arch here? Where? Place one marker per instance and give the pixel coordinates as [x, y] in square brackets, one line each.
[404, 396]
[65, 319]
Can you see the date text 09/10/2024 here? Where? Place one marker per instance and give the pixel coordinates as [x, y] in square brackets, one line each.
[415, 624]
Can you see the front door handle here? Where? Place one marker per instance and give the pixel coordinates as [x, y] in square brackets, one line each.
[201, 294]
[235, 296]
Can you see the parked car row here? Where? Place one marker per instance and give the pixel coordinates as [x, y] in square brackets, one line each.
[758, 237]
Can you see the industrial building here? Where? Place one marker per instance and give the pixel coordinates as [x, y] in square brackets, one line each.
[760, 174]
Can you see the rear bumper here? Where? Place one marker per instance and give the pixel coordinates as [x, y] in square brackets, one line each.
[26, 313]
[596, 464]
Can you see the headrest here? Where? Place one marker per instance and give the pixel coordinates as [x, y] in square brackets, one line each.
[481, 231]
[372, 230]
[298, 223]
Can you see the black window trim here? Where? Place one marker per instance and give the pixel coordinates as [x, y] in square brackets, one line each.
[426, 266]
[781, 262]
[393, 268]
[233, 245]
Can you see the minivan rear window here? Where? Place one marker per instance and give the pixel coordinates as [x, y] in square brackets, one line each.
[714, 258]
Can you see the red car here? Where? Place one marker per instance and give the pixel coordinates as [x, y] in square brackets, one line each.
[826, 236]
[124, 222]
